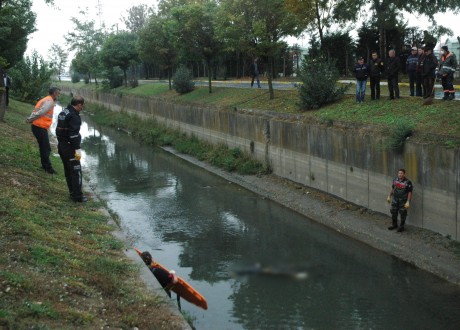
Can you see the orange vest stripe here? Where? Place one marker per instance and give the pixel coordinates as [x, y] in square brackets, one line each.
[46, 120]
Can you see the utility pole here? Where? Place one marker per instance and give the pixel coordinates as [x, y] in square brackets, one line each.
[99, 13]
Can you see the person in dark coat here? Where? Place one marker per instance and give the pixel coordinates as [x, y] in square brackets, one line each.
[255, 70]
[411, 69]
[418, 73]
[69, 146]
[361, 73]
[392, 69]
[428, 71]
[376, 68]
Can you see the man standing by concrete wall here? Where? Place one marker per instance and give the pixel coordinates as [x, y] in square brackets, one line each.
[400, 197]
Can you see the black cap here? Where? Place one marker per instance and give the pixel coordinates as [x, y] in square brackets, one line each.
[445, 48]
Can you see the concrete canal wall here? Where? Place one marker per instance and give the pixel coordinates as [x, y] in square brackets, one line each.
[347, 163]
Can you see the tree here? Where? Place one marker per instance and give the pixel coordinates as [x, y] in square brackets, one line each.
[271, 23]
[87, 41]
[157, 41]
[58, 59]
[119, 50]
[137, 18]
[319, 15]
[32, 78]
[196, 34]
[17, 21]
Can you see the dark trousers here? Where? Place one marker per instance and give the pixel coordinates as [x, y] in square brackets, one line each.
[375, 88]
[428, 84]
[448, 83]
[397, 206]
[255, 76]
[412, 79]
[44, 146]
[393, 86]
[419, 85]
[7, 95]
[72, 169]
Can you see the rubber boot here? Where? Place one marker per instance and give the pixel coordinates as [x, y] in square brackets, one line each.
[451, 96]
[403, 221]
[446, 96]
[401, 227]
[394, 225]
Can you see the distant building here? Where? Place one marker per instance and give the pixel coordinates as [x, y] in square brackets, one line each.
[454, 47]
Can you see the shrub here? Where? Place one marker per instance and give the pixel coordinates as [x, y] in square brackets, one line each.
[133, 83]
[319, 83]
[400, 131]
[183, 82]
[75, 78]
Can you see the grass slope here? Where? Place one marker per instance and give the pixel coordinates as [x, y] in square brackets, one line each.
[60, 267]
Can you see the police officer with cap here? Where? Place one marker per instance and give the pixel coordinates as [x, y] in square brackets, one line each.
[69, 143]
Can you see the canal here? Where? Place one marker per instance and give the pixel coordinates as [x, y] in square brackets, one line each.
[259, 265]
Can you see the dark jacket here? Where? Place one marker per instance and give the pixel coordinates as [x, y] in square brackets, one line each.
[393, 66]
[429, 65]
[448, 64]
[361, 71]
[376, 67]
[411, 63]
[401, 188]
[68, 127]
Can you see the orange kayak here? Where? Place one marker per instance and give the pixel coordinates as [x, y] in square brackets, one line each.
[181, 288]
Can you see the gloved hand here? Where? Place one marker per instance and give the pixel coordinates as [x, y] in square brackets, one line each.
[406, 206]
[173, 276]
[78, 154]
[389, 199]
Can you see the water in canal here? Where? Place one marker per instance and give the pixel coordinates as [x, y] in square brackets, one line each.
[206, 228]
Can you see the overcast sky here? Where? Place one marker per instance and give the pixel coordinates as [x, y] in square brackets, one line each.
[54, 22]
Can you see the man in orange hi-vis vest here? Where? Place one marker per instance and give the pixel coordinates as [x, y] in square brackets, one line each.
[41, 120]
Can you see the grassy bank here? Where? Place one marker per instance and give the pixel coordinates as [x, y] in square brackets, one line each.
[438, 123]
[60, 267]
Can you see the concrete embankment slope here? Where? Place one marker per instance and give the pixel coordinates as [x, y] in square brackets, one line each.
[345, 162]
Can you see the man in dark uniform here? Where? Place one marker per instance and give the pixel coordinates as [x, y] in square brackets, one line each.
[392, 70]
[411, 69]
[400, 197]
[428, 70]
[376, 68]
[69, 140]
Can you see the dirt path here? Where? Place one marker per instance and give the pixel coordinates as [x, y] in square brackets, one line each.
[423, 248]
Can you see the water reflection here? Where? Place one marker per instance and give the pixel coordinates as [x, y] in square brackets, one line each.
[204, 227]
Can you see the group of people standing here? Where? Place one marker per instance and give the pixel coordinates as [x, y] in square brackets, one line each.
[68, 136]
[422, 68]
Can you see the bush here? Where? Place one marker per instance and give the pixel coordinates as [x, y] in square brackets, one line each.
[183, 82]
[400, 131]
[319, 84]
[133, 83]
[75, 78]
[31, 78]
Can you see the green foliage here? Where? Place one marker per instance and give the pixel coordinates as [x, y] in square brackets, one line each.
[183, 80]
[114, 78]
[17, 22]
[76, 77]
[133, 83]
[31, 77]
[401, 129]
[318, 84]
[119, 50]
